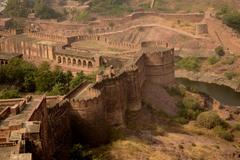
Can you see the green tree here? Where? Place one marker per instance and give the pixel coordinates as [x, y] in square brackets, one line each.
[17, 69]
[29, 83]
[44, 78]
[81, 77]
[16, 8]
[43, 11]
[58, 89]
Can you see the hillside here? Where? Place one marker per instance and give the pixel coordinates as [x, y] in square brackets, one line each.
[122, 6]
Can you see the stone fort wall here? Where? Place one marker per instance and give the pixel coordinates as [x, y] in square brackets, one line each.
[55, 129]
[109, 100]
[88, 112]
[27, 48]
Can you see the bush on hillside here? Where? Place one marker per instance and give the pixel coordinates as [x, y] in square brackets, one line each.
[223, 133]
[213, 60]
[210, 120]
[8, 94]
[178, 90]
[189, 63]
[220, 51]
[43, 11]
[110, 7]
[232, 19]
[189, 109]
[230, 75]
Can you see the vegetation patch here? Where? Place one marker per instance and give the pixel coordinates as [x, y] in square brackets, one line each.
[178, 90]
[8, 94]
[189, 109]
[189, 63]
[229, 16]
[210, 120]
[16, 8]
[29, 78]
[223, 133]
[110, 7]
[230, 75]
[213, 60]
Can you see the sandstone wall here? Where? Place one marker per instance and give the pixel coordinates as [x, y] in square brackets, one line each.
[55, 130]
[29, 49]
[108, 100]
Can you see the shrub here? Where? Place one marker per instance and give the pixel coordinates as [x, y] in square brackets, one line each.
[237, 127]
[81, 77]
[220, 51]
[7, 94]
[43, 11]
[213, 59]
[189, 109]
[58, 89]
[232, 19]
[177, 91]
[223, 133]
[230, 75]
[189, 63]
[81, 16]
[209, 120]
[109, 7]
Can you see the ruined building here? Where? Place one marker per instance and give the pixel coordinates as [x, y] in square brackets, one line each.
[128, 75]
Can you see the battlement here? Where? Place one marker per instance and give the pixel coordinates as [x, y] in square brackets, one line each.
[50, 37]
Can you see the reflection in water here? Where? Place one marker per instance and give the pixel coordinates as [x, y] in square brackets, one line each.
[224, 94]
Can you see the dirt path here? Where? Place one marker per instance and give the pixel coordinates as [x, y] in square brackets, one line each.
[150, 25]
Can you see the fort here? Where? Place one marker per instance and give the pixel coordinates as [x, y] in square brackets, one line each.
[126, 71]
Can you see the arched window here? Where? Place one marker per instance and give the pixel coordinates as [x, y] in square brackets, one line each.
[79, 62]
[64, 60]
[84, 63]
[69, 60]
[90, 65]
[74, 61]
[59, 59]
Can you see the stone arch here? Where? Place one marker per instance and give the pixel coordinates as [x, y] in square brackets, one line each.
[74, 61]
[90, 64]
[64, 60]
[79, 62]
[69, 60]
[84, 63]
[59, 59]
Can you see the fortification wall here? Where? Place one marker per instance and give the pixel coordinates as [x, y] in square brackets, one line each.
[159, 65]
[28, 49]
[50, 37]
[109, 41]
[152, 66]
[56, 131]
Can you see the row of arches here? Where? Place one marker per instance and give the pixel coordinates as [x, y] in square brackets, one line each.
[3, 62]
[74, 62]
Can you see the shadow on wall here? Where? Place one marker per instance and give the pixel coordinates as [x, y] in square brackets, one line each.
[88, 133]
